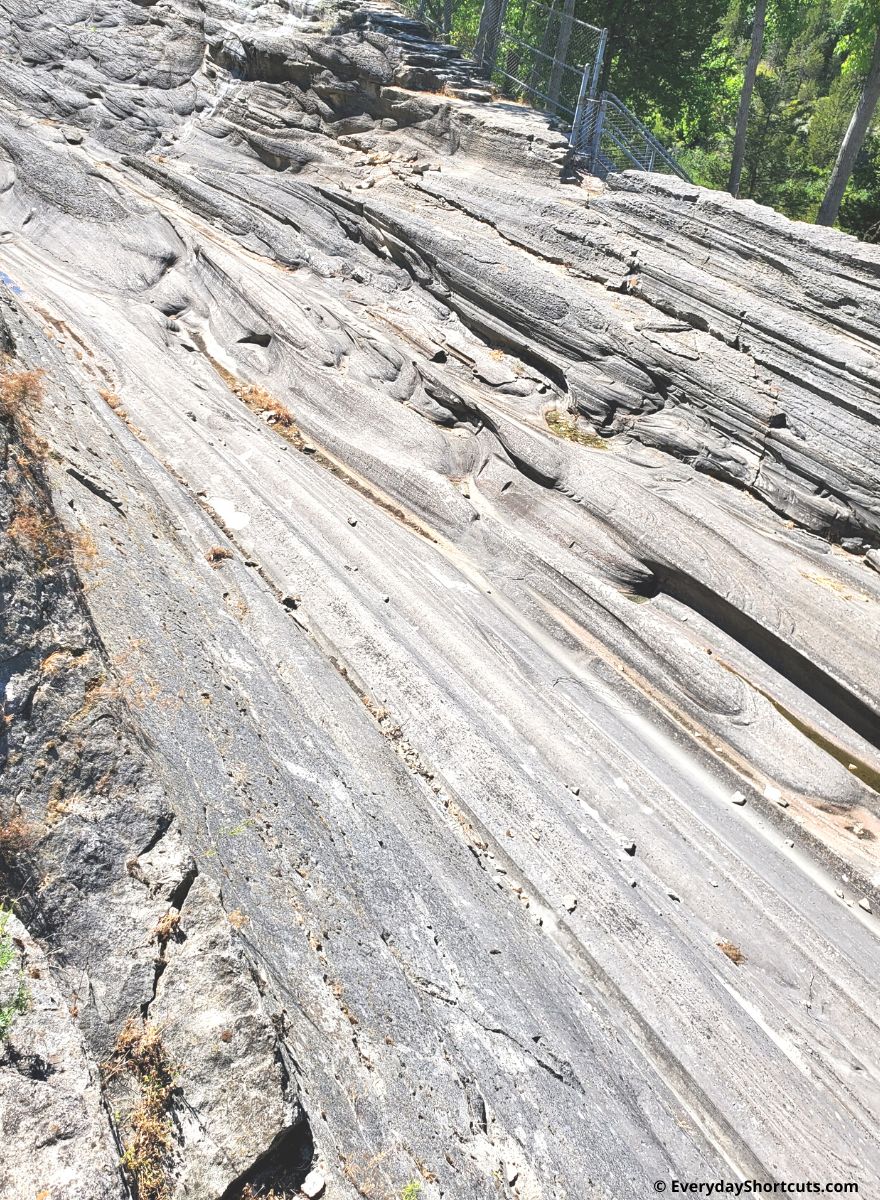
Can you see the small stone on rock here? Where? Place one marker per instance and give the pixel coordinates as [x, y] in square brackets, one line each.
[352, 521]
[313, 1184]
[865, 903]
[738, 798]
[629, 848]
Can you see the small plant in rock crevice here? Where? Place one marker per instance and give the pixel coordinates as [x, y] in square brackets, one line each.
[18, 1003]
[148, 1131]
[33, 526]
[218, 554]
[16, 1006]
[21, 393]
[264, 404]
[167, 927]
[38, 534]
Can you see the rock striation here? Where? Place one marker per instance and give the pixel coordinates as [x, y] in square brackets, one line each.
[438, 642]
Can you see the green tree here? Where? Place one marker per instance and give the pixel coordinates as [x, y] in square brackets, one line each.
[742, 116]
[655, 51]
[866, 30]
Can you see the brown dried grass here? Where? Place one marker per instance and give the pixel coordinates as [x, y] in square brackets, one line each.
[148, 1141]
[733, 952]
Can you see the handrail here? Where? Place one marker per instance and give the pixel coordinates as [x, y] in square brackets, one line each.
[607, 119]
[611, 133]
[645, 132]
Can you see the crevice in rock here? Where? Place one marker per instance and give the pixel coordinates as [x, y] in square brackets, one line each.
[180, 893]
[283, 1166]
[783, 658]
[164, 823]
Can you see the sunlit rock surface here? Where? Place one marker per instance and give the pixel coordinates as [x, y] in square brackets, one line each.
[443, 709]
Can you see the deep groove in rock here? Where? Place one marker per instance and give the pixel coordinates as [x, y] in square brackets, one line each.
[771, 649]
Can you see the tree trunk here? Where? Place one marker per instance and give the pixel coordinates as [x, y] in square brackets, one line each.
[539, 63]
[489, 34]
[852, 142]
[745, 100]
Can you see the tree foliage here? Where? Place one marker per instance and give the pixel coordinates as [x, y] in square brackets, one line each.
[680, 66]
[813, 64]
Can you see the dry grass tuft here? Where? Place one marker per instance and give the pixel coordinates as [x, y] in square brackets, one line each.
[265, 405]
[259, 400]
[16, 835]
[217, 554]
[85, 551]
[21, 393]
[166, 927]
[733, 952]
[34, 527]
[17, 839]
[147, 1147]
[113, 401]
[39, 534]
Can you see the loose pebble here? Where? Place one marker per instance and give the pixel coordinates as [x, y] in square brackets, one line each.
[313, 1184]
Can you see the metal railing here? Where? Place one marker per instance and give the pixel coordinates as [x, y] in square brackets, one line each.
[544, 55]
[534, 52]
[607, 137]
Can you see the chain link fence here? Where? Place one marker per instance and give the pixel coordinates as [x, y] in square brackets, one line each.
[546, 56]
[533, 52]
[608, 137]
[542, 55]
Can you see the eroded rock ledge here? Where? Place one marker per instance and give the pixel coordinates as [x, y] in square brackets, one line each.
[439, 635]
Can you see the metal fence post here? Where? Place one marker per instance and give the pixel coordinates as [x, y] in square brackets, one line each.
[598, 61]
[597, 132]
[580, 109]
